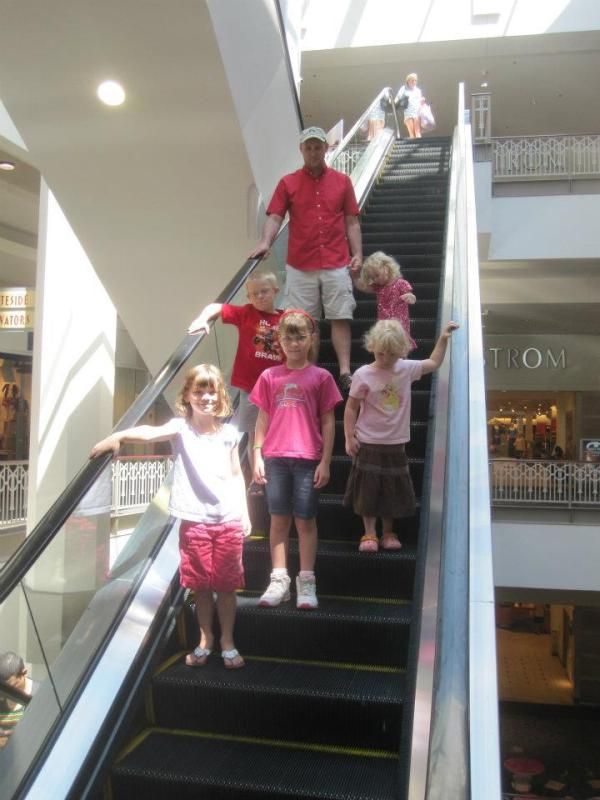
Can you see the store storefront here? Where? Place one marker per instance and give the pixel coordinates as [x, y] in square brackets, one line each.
[543, 396]
[16, 345]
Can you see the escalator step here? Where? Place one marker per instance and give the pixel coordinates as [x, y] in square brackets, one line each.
[353, 631]
[182, 766]
[285, 700]
[389, 574]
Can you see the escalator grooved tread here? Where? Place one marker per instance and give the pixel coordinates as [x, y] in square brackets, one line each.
[248, 770]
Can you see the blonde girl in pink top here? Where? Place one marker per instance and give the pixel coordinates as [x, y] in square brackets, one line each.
[377, 426]
[380, 275]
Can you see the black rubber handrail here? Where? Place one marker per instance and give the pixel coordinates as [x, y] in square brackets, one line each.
[52, 521]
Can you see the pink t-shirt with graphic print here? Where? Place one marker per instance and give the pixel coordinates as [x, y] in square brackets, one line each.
[295, 400]
[384, 396]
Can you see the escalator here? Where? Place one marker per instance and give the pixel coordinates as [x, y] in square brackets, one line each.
[332, 702]
[317, 712]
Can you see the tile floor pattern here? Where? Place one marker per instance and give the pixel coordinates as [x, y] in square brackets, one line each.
[528, 672]
[539, 720]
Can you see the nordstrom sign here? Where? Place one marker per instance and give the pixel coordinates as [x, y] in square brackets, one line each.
[526, 358]
[542, 361]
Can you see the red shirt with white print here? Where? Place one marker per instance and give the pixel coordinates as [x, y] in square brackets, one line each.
[258, 344]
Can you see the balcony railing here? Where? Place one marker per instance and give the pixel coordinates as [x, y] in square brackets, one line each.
[13, 493]
[554, 157]
[569, 484]
[135, 481]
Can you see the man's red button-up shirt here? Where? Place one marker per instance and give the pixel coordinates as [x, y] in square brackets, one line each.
[318, 208]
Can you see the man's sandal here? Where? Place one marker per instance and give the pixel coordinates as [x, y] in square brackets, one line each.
[232, 659]
[389, 541]
[368, 543]
[198, 657]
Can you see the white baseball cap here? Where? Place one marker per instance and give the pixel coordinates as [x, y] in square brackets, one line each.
[313, 133]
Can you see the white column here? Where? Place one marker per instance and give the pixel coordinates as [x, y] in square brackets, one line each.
[73, 360]
[71, 408]
[251, 47]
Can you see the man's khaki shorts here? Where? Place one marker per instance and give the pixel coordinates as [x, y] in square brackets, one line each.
[320, 290]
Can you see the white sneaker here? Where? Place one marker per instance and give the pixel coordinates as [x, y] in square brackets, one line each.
[277, 592]
[306, 592]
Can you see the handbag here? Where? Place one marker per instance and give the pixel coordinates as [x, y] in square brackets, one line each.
[426, 117]
[402, 102]
[385, 104]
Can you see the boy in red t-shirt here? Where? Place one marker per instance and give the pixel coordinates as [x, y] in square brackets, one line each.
[258, 346]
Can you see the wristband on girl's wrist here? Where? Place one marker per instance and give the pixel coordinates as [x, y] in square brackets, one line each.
[257, 446]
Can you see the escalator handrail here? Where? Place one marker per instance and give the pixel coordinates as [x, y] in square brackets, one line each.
[389, 95]
[52, 521]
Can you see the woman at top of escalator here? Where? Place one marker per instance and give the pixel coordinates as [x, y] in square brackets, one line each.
[209, 497]
[377, 427]
[410, 98]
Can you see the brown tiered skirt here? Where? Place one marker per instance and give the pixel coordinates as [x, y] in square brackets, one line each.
[379, 484]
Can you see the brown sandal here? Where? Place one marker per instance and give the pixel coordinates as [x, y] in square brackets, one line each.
[368, 543]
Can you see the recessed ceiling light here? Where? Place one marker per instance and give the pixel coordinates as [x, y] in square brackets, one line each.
[8, 166]
[111, 93]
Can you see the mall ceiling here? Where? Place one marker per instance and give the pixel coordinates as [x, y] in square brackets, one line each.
[531, 79]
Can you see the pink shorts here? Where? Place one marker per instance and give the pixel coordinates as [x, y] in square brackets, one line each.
[211, 556]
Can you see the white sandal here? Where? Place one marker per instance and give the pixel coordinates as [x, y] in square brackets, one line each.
[230, 656]
[198, 657]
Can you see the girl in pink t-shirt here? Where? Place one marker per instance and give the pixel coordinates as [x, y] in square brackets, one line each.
[293, 445]
[379, 484]
[380, 275]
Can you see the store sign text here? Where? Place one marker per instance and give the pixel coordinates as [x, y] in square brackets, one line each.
[16, 320]
[16, 298]
[528, 358]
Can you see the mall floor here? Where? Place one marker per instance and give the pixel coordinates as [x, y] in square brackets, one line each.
[538, 719]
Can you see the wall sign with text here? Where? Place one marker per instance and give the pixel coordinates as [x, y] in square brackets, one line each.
[16, 308]
[549, 361]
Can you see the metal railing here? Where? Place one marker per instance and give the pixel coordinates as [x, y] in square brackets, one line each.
[354, 143]
[14, 480]
[549, 157]
[544, 483]
[136, 480]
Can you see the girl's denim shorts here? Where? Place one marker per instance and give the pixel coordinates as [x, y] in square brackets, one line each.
[290, 486]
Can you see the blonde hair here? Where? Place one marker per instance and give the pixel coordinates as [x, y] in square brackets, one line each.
[412, 76]
[200, 377]
[295, 321]
[388, 335]
[263, 275]
[379, 261]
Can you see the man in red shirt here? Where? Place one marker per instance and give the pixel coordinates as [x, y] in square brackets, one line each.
[324, 242]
